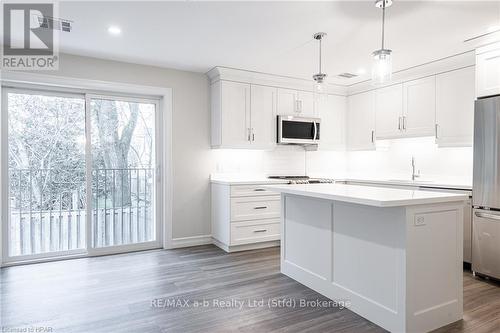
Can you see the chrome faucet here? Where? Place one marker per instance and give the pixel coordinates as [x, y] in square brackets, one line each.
[413, 174]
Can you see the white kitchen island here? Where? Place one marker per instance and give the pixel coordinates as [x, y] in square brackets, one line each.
[395, 255]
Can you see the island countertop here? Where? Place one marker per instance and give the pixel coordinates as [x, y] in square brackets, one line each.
[366, 195]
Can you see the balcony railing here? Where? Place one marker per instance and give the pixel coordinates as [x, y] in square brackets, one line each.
[48, 209]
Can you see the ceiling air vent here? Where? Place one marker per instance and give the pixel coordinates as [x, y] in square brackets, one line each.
[346, 75]
[53, 23]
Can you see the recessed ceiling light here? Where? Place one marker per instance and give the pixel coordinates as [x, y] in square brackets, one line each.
[114, 30]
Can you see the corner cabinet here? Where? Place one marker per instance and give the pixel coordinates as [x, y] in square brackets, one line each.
[361, 121]
[455, 108]
[488, 70]
[243, 115]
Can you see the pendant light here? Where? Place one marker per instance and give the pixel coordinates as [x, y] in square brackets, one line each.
[382, 59]
[319, 87]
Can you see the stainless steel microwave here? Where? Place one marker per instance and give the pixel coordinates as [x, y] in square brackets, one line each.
[298, 130]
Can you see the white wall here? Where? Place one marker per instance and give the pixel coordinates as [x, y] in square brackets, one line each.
[191, 154]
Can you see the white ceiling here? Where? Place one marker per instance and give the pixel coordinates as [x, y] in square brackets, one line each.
[273, 37]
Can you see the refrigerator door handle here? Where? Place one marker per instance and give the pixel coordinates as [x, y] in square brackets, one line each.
[487, 216]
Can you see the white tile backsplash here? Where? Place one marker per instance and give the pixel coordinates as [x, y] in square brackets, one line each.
[391, 160]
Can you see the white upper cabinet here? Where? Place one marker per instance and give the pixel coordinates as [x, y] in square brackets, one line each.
[488, 71]
[235, 115]
[243, 115]
[419, 107]
[361, 122]
[332, 111]
[306, 104]
[287, 102]
[455, 107]
[263, 116]
[389, 111]
[295, 103]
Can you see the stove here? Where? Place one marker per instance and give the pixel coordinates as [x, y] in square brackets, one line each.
[303, 180]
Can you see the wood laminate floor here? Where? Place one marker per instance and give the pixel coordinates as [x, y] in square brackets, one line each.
[157, 291]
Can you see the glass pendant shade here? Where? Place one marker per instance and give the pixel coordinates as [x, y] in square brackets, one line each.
[382, 66]
[319, 90]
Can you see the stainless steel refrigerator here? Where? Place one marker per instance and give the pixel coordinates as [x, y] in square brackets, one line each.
[486, 188]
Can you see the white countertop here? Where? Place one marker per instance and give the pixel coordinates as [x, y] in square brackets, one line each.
[441, 183]
[236, 179]
[366, 195]
[445, 183]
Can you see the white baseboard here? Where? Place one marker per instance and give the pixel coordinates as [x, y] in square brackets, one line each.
[191, 241]
[245, 247]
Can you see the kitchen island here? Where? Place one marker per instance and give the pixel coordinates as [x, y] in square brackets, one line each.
[395, 255]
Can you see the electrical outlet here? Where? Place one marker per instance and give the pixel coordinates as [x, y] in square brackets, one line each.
[419, 220]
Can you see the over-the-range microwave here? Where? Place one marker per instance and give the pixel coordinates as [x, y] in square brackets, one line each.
[298, 130]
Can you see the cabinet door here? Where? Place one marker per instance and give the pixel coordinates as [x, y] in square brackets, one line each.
[263, 116]
[332, 111]
[361, 122]
[455, 107]
[306, 104]
[419, 107]
[287, 102]
[389, 111]
[488, 73]
[235, 105]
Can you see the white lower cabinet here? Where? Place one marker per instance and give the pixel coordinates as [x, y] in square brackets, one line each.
[255, 231]
[245, 217]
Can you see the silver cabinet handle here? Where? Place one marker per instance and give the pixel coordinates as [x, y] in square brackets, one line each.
[253, 135]
[260, 230]
[436, 127]
[373, 136]
[259, 189]
[404, 122]
[399, 123]
[260, 207]
[488, 216]
[248, 137]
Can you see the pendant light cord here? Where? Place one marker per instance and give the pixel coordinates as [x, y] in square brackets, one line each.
[383, 22]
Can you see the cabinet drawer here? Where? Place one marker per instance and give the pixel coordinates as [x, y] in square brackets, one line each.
[255, 231]
[255, 208]
[250, 191]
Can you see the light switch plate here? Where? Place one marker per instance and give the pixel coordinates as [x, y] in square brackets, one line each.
[419, 220]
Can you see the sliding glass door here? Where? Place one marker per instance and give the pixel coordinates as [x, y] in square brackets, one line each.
[46, 162]
[81, 174]
[123, 171]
